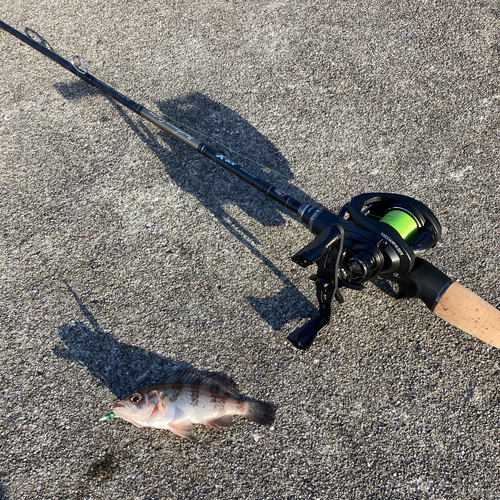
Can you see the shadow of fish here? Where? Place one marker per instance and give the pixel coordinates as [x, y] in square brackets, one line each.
[187, 398]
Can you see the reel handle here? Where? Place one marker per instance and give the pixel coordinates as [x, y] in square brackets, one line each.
[470, 313]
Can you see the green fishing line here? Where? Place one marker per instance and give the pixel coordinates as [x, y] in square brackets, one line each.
[402, 222]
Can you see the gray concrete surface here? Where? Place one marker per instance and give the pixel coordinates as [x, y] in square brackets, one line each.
[125, 255]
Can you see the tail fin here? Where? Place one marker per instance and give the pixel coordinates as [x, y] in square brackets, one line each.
[260, 413]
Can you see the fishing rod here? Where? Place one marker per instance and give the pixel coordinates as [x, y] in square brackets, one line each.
[375, 235]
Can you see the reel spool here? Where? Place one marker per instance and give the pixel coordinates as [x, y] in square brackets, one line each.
[403, 221]
[398, 227]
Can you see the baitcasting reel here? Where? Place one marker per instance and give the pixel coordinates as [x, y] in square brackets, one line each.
[376, 235]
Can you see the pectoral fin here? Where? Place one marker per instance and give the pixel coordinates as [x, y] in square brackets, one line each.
[162, 409]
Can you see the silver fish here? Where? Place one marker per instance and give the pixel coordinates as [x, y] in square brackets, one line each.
[187, 398]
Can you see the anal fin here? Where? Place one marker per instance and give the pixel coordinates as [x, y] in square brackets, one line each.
[220, 422]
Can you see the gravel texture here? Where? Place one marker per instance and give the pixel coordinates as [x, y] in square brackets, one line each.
[125, 255]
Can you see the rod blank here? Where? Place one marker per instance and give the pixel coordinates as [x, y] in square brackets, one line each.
[263, 186]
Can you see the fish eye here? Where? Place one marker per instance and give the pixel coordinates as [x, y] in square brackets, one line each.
[135, 398]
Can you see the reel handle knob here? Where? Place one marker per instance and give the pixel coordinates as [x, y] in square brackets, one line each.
[304, 336]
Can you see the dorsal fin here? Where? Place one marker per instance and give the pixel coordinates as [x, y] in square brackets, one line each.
[218, 381]
[223, 383]
[184, 377]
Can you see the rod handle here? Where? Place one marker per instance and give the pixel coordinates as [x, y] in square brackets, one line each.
[465, 310]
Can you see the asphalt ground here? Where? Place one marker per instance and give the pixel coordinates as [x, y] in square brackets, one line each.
[125, 255]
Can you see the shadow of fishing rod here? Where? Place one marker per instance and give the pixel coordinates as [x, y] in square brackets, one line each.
[215, 189]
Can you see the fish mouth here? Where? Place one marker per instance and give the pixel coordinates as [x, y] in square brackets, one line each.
[119, 405]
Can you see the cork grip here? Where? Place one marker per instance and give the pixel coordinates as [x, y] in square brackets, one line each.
[465, 310]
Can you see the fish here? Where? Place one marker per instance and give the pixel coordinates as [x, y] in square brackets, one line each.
[188, 398]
